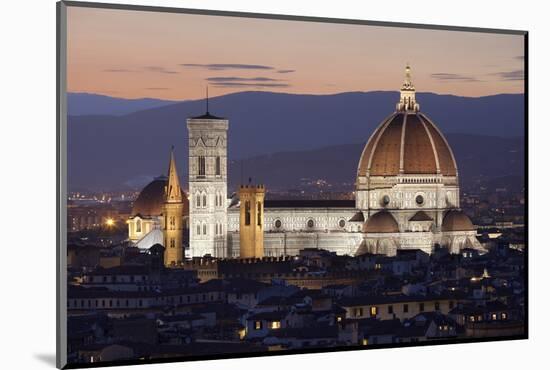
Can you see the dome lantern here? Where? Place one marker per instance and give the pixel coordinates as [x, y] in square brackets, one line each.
[407, 100]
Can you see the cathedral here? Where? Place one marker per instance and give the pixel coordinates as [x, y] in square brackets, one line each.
[407, 196]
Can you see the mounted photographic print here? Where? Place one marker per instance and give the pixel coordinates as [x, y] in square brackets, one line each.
[235, 185]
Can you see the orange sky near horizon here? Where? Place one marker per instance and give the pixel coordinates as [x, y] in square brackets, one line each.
[134, 54]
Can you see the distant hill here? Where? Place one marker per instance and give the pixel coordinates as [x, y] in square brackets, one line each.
[114, 151]
[79, 104]
[479, 158]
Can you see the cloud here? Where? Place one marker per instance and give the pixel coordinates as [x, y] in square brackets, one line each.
[117, 70]
[159, 70]
[242, 79]
[444, 77]
[286, 71]
[516, 75]
[222, 66]
[245, 84]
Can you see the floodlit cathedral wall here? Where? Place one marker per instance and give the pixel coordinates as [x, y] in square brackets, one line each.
[287, 230]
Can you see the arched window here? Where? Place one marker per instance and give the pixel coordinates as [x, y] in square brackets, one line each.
[202, 166]
[197, 200]
[216, 228]
[204, 200]
[216, 200]
[138, 226]
[259, 213]
[247, 212]
[198, 229]
[172, 222]
[204, 229]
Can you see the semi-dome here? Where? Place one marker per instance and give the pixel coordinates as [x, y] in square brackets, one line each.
[456, 220]
[407, 143]
[381, 222]
[151, 199]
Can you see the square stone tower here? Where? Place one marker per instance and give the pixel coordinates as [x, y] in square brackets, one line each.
[207, 185]
[251, 221]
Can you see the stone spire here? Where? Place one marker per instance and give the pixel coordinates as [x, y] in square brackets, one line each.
[407, 100]
[173, 190]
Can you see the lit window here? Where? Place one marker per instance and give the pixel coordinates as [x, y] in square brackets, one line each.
[138, 226]
[373, 311]
[257, 325]
[503, 316]
[275, 325]
[472, 319]
[365, 341]
[493, 316]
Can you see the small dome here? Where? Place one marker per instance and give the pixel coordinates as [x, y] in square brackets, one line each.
[151, 199]
[381, 222]
[456, 220]
[407, 143]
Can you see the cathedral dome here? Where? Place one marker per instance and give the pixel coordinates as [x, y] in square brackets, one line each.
[456, 220]
[407, 143]
[151, 199]
[381, 222]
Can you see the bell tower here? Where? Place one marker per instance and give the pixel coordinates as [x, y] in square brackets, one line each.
[207, 184]
[172, 220]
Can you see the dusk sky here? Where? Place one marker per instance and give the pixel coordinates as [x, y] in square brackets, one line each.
[135, 54]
